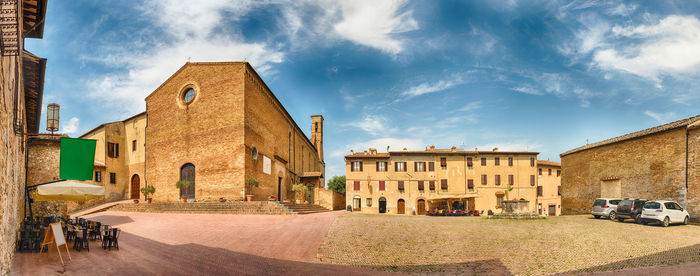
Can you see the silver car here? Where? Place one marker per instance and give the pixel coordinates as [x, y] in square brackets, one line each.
[605, 207]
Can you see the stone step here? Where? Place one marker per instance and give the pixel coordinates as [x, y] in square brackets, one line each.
[233, 207]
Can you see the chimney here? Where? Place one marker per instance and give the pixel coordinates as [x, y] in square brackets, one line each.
[453, 149]
[495, 149]
[372, 151]
[317, 134]
[432, 147]
[404, 149]
[352, 152]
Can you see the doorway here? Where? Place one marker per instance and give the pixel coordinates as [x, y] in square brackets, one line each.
[135, 185]
[279, 189]
[401, 206]
[552, 210]
[187, 173]
[382, 205]
[420, 209]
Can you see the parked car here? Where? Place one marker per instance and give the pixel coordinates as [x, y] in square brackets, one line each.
[630, 208]
[664, 212]
[605, 207]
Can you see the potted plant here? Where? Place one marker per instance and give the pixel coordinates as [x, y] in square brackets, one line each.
[250, 183]
[148, 192]
[299, 191]
[221, 199]
[272, 198]
[183, 184]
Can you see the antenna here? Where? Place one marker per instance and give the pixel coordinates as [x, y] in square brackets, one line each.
[586, 141]
[188, 59]
[387, 149]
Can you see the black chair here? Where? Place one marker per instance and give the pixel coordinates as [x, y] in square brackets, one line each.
[96, 231]
[112, 239]
[81, 241]
[25, 240]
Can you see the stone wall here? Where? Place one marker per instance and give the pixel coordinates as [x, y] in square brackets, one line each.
[651, 167]
[12, 161]
[693, 205]
[330, 199]
[43, 166]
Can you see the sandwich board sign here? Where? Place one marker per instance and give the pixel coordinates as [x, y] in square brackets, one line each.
[54, 235]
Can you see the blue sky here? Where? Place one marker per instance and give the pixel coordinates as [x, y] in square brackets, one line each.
[542, 76]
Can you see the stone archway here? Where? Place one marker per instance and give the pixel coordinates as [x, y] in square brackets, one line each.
[187, 173]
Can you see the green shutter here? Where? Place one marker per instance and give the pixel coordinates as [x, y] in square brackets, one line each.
[77, 158]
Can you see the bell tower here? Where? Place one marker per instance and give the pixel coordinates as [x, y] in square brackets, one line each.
[317, 134]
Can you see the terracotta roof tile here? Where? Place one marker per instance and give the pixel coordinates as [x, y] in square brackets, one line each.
[548, 163]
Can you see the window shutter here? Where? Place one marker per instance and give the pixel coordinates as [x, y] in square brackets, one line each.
[382, 185]
[483, 179]
[357, 186]
[470, 184]
[415, 166]
[116, 150]
[510, 180]
[443, 162]
[539, 190]
[510, 161]
[396, 166]
[361, 166]
[400, 185]
[405, 166]
[532, 180]
[558, 190]
[483, 161]
[377, 166]
[432, 185]
[420, 186]
[539, 171]
[431, 166]
[443, 184]
[469, 162]
[549, 171]
[497, 161]
[532, 162]
[498, 180]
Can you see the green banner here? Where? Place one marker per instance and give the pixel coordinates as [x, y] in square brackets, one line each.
[77, 158]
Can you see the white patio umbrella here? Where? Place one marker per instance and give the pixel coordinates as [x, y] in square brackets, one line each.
[68, 190]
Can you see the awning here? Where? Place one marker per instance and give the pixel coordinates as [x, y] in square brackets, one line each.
[441, 197]
[68, 190]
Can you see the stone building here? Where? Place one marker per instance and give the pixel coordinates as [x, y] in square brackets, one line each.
[661, 162]
[548, 188]
[215, 124]
[21, 90]
[412, 182]
[120, 157]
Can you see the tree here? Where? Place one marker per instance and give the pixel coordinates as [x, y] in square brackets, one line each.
[337, 183]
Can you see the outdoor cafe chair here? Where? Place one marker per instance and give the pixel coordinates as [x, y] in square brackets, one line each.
[112, 240]
[81, 241]
[95, 232]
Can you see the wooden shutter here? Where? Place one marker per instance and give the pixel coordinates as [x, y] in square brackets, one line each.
[483, 161]
[420, 186]
[539, 171]
[469, 162]
[497, 161]
[498, 180]
[400, 185]
[558, 190]
[532, 180]
[549, 171]
[396, 166]
[443, 162]
[405, 166]
[558, 172]
[510, 179]
[415, 166]
[361, 165]
[116, 150]
[470, 184]
[377, 169]
[382, 185]
[431, 166]
[510, 161]
[539, 190]
[357, 186]
[532, 162]
[483, 179]
[432, 185]
[443, 184]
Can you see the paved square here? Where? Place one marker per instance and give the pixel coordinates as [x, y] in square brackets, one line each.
[199, 244]
[475, 245]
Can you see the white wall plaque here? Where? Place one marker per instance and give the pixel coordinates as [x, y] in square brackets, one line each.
[267, 165]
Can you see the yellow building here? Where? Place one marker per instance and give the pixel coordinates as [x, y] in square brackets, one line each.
[120, 157]
[413, 182]
[548, 188]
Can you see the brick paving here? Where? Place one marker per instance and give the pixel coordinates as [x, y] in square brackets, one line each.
[200, 244]
[473, 245]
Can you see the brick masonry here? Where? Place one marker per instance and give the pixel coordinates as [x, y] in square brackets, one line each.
[651, 166]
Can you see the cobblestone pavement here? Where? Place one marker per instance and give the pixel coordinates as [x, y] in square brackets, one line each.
[199, 244]
[473, 245]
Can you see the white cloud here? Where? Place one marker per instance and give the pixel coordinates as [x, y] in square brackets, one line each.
[557, 84]
[374, 125]
[376, 24]
[661, 117]
[622, 9]
[669, 47]
[425, 88]
[188, 34]
[471, 106]
[71, 126]
[527, 90]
